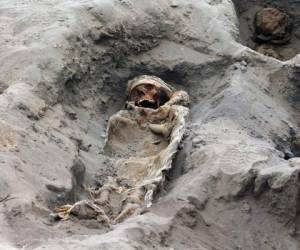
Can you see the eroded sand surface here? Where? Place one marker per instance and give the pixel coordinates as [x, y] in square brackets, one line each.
[64, 71]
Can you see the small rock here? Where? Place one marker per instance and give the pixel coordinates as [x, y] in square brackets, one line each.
[174, 4]
[85, 148]
[246, 208]
[53, 217]
[72, 115]
[244, 63]
[55, 188]
[197, 142]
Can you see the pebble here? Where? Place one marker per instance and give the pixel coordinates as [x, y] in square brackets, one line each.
[246, 208]
[53, 217]
[174, 4]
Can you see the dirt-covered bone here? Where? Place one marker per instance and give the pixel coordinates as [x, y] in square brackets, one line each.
[141, 141]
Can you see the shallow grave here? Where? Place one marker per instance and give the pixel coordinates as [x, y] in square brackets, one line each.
[142, 140]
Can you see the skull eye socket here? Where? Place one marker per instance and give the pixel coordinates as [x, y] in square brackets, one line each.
[140, 92]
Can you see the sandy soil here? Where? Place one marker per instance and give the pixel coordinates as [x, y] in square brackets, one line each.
[64, 71]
